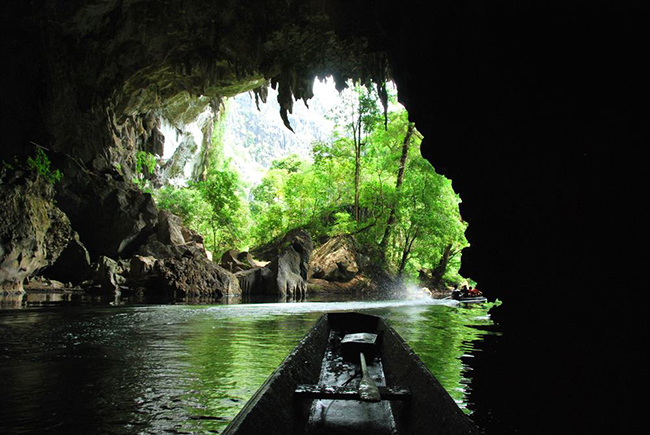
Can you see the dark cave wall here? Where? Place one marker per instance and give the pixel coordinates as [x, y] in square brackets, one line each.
[534, 112]
[23, 80]
[530, 109]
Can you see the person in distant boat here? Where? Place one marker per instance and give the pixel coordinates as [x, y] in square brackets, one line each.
[463, 292]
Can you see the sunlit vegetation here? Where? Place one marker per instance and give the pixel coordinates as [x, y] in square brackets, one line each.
[39, 163]
[368, 180]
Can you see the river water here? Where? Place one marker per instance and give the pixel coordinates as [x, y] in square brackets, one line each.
[189, 368]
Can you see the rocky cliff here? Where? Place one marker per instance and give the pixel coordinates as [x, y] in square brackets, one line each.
[33, 230]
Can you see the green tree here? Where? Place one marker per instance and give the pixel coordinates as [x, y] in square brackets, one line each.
[430, 219]
[400, 179]
[225, 217]
[185, 202]
[358, 114]
[41, 164]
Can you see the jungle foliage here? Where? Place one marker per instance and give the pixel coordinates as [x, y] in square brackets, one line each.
[369, 181]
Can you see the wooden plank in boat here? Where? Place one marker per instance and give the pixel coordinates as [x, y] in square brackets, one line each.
[345, 417]
[335, 392]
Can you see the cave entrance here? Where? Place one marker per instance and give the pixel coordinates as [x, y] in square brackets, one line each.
[347, 169]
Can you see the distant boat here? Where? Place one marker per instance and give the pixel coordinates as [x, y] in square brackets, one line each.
[472, 300]
[351, 374]
[467, 297]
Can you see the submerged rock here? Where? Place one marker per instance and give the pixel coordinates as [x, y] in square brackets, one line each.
[33, 231]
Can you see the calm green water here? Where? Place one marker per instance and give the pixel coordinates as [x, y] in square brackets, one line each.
[188, 369]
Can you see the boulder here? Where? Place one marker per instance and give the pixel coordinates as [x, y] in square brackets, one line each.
[286, 273]
[334, 261]
[189, 235]
[108, 274]
[180, 270]
[358, 284]
[236, 261]
[142, 268]
[229, 261]
[156, 249]
[195, 276]
[168, 229]
[338, 266]
[33, 231]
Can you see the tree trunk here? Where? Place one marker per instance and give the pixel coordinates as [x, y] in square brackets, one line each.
[214, 237]
[441, 268]
[400, 179]
[357, 169]
[357, 176]
[408, 245]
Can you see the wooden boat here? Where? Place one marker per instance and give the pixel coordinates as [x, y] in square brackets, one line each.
[315, 390]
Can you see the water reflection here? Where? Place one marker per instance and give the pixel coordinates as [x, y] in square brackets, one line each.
[59, 298]
[153, 369]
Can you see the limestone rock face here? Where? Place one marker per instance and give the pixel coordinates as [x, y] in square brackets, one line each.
[169, 228]
[111, 216]
[236, 261]
[286, 273]
[73, 265]
[95, 93]
[108, 274]
[334, 261]
[289, 270]
[33, 231]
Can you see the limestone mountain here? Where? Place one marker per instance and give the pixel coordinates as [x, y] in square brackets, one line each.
[248, 133]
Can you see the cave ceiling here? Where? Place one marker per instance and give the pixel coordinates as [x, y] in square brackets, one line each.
[123, 59]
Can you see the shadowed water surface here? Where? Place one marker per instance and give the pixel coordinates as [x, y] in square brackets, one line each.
[188, 369]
